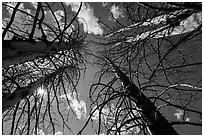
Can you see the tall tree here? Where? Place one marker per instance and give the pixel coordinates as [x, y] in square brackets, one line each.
[42, 60]
[157, 124]
[149, 74]
[157, 48]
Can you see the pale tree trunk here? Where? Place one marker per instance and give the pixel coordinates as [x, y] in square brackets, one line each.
[14, 52]
[21, 93]
[157, 124]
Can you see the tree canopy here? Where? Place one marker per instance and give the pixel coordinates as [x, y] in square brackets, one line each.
[148, 64]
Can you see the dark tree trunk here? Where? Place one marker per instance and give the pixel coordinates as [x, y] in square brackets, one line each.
[158, 124]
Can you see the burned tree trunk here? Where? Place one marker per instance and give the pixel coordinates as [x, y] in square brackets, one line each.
[157, 123]
[14, 52]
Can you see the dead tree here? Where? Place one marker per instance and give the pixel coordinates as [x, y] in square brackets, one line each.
[39, 53]
[157, 124]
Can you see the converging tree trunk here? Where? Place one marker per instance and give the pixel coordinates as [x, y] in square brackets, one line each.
[14, 52]
[145, 61]
[157, 124]
[42, 58]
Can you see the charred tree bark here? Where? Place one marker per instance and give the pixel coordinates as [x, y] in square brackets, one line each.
[14, 52]
[157, 123]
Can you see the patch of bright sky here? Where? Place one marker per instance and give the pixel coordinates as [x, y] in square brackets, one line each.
[108, 117]
[187, 119]
[106, 113]
[179, 113]
[59, 14]
[104, 4]
[40, 91]
[79, 106]
[87, 18]
[116, 11]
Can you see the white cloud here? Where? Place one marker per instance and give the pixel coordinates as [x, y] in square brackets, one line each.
[59, 14]
[108, 118]
[79, 107]
[104, 4]
[87, 18]
[191, 22]
[187, 119]
[179, 113]
[59, 133]
[95, 115]
[40, 132]
[106, 112]
[187, 25]
[116, 11]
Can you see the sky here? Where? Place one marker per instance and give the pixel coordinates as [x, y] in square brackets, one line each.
[89, 17]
